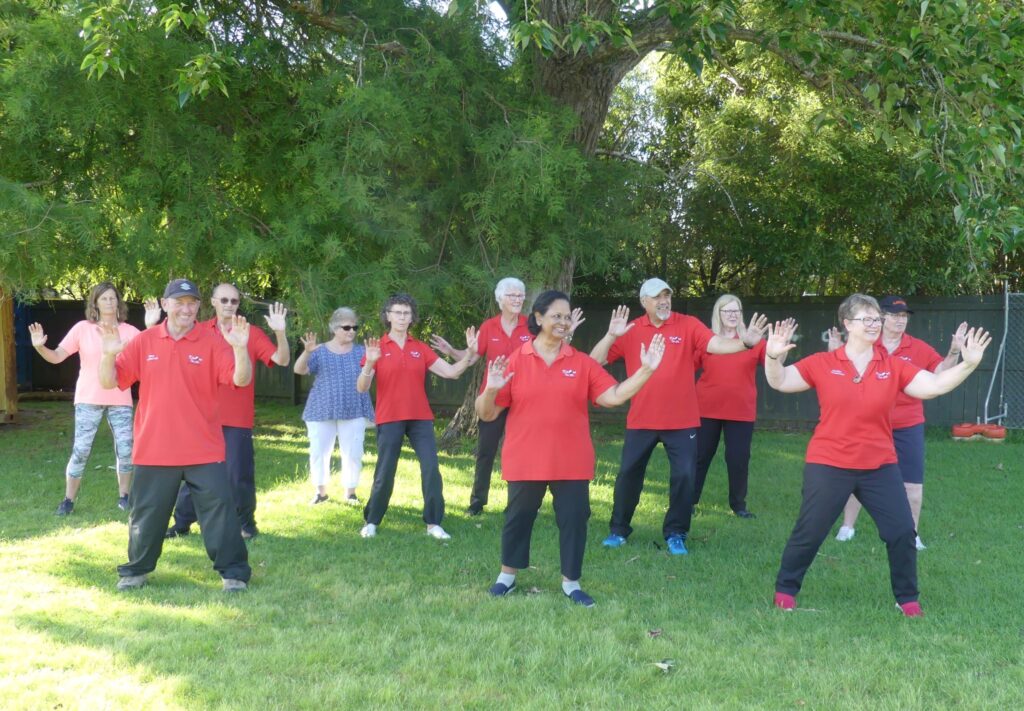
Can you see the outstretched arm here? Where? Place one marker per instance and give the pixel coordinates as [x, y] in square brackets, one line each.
[308, 346]
[650, 359]
[926, 386]
[618, 325]
[365, 378]
[451, 371]
[497, 377]
[784, 378]
[276, 322]
[238, 338]
[956, 346]
[55, 356]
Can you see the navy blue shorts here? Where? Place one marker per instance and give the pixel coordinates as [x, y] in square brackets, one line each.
[910, 453]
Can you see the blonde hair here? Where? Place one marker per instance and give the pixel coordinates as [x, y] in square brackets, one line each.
[854, 302]
[716, 317]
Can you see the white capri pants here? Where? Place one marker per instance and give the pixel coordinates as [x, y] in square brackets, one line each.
[349, 434]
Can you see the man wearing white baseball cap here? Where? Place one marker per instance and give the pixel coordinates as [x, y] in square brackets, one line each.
[666, 410]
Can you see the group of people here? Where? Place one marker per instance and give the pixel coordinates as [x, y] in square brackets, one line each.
[535, 396]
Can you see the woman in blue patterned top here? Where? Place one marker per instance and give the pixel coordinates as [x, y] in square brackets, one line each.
[335, 410]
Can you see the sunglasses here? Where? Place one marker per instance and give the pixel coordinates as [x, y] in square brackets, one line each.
[226, 300]
[348, 328]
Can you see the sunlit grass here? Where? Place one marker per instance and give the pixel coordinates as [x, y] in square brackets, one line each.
[334, 621]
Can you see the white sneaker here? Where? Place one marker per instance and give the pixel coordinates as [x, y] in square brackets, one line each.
[369, 530]
[845, 533]
[438, 533]
[920, 546]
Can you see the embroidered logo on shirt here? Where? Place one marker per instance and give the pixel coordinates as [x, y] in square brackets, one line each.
[882, 374]
[414, 354]
[524, 339]
[495, 339]
[836, 371]
[152, 356]
[569, 373]
[906, 358]
[675, 339]
[195, 360]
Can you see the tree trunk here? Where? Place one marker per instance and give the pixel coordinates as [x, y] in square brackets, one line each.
[464, 422]
[8, 367]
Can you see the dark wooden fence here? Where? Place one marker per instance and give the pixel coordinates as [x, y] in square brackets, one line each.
[934, 320]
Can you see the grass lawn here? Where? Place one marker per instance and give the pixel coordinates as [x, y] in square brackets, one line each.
[332, 621]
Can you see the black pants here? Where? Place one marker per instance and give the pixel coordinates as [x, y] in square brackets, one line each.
[389, 448]
[486, 449]
[241, 464]
[152, 498]
[571, 501]
[637, 447]
[738, 436]
[825, 492]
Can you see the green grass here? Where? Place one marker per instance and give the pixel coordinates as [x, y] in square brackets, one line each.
[402, 621]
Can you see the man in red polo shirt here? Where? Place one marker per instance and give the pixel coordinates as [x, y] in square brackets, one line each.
[666, 410]
[237, 411]
[178, 436]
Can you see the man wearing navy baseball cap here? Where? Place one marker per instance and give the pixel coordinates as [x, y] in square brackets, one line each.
[908, 412]
[178, 436]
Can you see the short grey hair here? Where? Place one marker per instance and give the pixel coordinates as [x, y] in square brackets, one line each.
[506, 285]
[853, 303]
[343, 313]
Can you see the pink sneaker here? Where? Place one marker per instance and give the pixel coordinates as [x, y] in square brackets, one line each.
[785, 601]
[911, 609]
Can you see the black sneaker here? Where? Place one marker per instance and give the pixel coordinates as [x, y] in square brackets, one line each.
[173, 532]
[122, 502]
[66, 507]
[250, 532]
[743, 513]
[581, 598]
[319, 499]
[475, 510]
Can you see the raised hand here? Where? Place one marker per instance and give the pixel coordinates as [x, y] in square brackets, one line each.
[276, 318]
[497, 377]
[308, 341]
[975, 343]
[959, 338]
[651, 355]
[619, 322]
[835, 339]
[153, 312]
[779, 337]
[38, 335]
[754, 332]
[372, 350]
[236, 333]
[577, 319]
[110, 339]
[470, 341]
[440, 345]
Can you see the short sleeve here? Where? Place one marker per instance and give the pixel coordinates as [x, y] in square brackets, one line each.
[615, 352]
[224, 362]
[598, 379]
[908, 371]
[806, 368]
[430, 357]
[481, 340]
[701, 335]
[759, 351]
[126, 365]
[932, 359]
[313, 362]
[71, 342]
[261, 348]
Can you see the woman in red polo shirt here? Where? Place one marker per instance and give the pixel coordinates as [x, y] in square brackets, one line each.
[727, 399]
[400, 363]
[852, 451]
[546, 386]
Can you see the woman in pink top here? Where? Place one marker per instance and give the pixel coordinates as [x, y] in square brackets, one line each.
[103, 307]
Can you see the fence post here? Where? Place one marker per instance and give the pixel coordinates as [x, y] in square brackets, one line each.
[8, 366]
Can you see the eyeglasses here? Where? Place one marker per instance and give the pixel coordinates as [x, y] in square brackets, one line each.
[225, 300]
[348, 328]
[400, 314]
[868, 320]
[730, 311]
[515, 297]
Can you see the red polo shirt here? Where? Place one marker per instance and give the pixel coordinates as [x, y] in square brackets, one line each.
[727, 389]
[855, 427]
[492, 341]
[668, 401]
[909, 411]
[547, 434]
[237, 408]
[401, 380]
[177, 422]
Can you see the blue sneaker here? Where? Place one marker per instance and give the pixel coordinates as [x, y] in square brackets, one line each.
[581, 598]
[501, 589]
[614, 540]
[677, 545]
